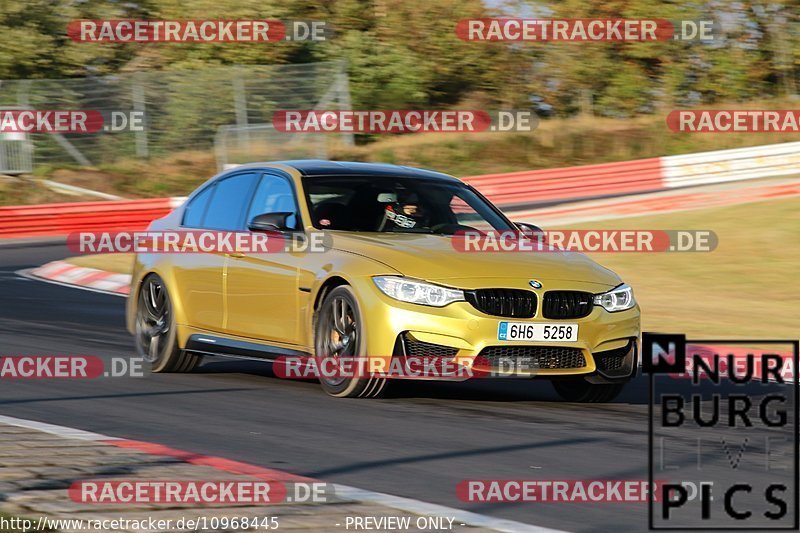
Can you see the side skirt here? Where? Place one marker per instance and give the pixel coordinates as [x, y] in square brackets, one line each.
[213, 345]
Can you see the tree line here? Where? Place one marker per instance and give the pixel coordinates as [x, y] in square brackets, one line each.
[403, 54]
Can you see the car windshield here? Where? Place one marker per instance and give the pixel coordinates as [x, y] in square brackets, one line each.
[399, 205]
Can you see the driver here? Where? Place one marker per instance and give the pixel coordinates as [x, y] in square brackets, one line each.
[408, 213]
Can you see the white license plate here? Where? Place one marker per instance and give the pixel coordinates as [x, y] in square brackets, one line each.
[531, 331]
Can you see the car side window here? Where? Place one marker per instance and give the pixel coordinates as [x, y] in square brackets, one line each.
[193, 215]
[274, 195]
[231, 197]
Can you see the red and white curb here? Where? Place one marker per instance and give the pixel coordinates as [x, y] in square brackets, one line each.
[361, 495]
[65, 273]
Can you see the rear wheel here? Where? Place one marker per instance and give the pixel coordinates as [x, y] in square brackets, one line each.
[338, 332]
[156, 336]
[580, 390]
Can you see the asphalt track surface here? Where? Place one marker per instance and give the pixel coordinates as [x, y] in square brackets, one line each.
[419, 442]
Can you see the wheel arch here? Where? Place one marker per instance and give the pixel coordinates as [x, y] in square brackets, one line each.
[177, 304]
[327, 286]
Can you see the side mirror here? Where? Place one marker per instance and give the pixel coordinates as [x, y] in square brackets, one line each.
[530, 230]
[270, 222]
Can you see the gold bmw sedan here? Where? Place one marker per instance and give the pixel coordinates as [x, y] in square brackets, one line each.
[388, 282]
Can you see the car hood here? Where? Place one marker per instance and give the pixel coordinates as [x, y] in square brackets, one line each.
[433, 258]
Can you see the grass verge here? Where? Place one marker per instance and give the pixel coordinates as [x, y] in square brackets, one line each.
[743, 289]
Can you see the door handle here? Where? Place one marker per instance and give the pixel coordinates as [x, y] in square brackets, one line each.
[236, 255]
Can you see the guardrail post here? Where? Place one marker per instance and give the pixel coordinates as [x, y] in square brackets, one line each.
[240, 103]
[343, 98]
[139, 105]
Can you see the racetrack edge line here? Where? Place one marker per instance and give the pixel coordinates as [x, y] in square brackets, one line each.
[397, 502]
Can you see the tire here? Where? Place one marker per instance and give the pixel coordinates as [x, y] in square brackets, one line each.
[156, 335]
[580, 390]
[338, 331]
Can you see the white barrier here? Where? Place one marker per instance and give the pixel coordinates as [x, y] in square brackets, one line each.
[731, 165]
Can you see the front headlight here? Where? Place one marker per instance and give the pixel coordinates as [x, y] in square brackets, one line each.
[617, 299]
[417, 292]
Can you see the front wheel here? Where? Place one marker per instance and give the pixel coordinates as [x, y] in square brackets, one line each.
[580, 390]
[339, 332]
[156, 337]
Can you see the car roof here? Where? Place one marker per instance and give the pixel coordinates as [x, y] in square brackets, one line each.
[319, 168]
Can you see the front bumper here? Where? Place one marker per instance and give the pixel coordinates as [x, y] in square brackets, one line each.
[606, 341]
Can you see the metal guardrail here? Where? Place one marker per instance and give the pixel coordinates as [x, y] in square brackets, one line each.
[532, 187]
[720, 166]
[570, 183]
[506, 190]
[66, 218]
